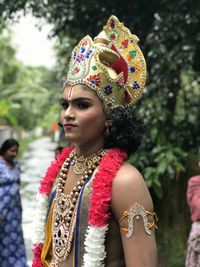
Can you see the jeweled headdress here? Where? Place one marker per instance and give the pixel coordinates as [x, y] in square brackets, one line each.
[112, 65]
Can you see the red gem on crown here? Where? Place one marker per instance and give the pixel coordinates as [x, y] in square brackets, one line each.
[76, 70]
[112, 24]
[125, 43]
[112, 36]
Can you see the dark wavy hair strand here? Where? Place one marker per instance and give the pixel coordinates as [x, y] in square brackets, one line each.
[126, 130]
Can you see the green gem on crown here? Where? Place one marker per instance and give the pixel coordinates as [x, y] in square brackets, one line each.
[132, 53]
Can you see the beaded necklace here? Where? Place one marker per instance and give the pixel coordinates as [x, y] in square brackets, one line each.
[65, 208]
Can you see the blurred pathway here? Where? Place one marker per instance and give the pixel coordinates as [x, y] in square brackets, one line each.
[34, 163]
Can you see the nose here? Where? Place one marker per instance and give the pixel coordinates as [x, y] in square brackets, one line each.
[69, 113]
[14, 154]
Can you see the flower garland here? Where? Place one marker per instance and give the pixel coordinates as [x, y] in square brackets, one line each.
[98, 209]
[52, 172]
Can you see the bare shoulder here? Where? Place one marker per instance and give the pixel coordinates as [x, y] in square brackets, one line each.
[129, 180]
[128, 188]
[127, 175]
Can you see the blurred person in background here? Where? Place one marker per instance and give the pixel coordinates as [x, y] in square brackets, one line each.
[12, 250]
[193, 199]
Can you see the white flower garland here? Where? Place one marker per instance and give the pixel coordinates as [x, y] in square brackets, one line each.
[95, 246]
[40, 218]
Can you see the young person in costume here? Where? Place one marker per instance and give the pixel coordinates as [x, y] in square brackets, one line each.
[94, 209]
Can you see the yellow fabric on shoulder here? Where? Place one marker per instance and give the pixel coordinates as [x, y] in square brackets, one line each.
[47, 248]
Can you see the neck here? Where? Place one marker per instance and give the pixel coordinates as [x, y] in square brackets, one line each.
[88, 149]
[9, 162]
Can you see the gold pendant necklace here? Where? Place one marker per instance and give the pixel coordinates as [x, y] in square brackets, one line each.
[64, 217]
[81, 163]
[65, 208]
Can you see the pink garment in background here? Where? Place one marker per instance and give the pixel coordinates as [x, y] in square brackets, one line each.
[193, 249]
[193, 197]
[193, 246]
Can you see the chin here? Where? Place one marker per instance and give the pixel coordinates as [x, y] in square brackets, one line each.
[70, 137]
[74, 140]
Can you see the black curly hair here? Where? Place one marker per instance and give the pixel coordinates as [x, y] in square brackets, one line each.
[126, 130]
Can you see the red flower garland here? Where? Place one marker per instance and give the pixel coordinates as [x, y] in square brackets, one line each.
[37, 255]
[102, 187]
[52, 172]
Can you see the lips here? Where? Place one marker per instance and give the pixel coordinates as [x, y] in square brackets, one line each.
[69, 126]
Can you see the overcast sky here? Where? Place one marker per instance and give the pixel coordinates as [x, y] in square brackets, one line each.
[33, 46]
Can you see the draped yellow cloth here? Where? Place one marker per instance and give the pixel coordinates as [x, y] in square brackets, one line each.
[47, 248]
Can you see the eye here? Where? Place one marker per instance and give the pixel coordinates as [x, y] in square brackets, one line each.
[82, 105]
[64, 104]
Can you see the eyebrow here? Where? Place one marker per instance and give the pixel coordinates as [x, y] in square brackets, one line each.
[75, 99]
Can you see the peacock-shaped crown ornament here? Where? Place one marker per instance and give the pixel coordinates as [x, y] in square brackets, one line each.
[112, 65]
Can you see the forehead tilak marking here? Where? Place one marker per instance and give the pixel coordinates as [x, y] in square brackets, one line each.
[70, 93]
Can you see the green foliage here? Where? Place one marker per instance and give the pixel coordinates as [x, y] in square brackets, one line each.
[51, 116]
[8, 72]
[23, 144]
[26, 93]
[163, 163]
[172, 247]
[63, 48]
[6, 113]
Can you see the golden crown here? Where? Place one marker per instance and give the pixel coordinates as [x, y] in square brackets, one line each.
[112, 65]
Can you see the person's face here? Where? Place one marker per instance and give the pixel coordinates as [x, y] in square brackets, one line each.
[82, 115]
[11, 153]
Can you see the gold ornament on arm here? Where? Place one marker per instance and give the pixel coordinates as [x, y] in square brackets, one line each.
[138, 212]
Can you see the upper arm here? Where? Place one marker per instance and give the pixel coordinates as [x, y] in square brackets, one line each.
[129, 188]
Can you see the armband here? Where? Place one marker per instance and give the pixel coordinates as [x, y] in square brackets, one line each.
[138, 212]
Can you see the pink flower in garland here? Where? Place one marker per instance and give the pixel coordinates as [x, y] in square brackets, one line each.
[37, 256]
